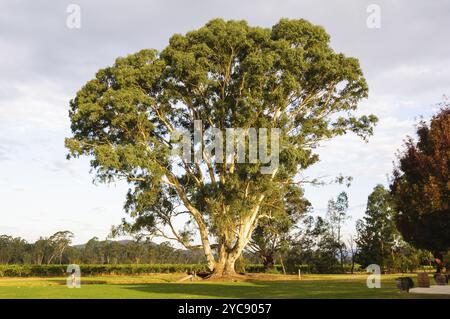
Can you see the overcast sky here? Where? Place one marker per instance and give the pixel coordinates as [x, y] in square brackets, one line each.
[43, 63]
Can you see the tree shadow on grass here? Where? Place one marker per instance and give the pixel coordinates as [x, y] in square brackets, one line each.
[272, 289]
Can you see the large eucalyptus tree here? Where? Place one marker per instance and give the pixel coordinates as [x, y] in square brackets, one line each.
[226, 74]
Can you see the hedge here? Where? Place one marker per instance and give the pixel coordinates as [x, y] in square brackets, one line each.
[258, 268]
[305, 269]
[91, 270]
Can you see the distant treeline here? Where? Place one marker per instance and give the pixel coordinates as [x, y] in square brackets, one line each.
[57, 249]
[315, 251]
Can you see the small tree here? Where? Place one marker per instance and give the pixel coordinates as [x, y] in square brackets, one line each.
[315, 246]
[352, 250]
[92, 252]
[272, 234]
[337, 215]
[41, 249]
[421, 187]
[59, 241]
[377, 235]
[325, 258]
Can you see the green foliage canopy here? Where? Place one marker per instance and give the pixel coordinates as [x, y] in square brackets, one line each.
[226, 74]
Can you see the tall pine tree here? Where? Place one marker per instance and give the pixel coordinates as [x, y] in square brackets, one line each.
[376, 232]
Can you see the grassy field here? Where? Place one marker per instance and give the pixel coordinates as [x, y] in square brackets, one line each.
[166, 286]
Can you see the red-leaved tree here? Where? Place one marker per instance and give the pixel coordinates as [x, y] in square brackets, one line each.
[421, 186]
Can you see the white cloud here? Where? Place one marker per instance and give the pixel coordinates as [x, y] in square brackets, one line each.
[37, 105]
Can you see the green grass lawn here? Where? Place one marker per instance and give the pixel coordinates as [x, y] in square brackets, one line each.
[166, 286]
